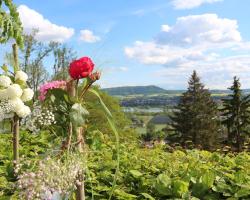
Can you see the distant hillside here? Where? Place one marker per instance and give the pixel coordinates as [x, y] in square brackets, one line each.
[134, 90]
[151, 89]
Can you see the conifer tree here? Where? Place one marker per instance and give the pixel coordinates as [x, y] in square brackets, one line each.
[196, 117]
[236, 115]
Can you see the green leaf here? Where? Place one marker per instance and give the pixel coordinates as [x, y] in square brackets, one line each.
[205, 182]
[5, 68]
[113, 128]
[163, 184]
[58, 95]
[208, 179]
[3, 182]
[147, 196]
[120, 194]
[101, 102]
[180, 188]
[135, 173]
[78, 114]
[242, 192]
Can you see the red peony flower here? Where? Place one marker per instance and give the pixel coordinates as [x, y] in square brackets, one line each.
[81, 68]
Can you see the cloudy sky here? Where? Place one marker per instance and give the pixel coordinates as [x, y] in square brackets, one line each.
[145, 42]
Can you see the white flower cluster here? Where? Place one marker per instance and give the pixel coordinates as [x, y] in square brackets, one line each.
[5, 110]
[38, 118]
[46, 118]
[13, 96]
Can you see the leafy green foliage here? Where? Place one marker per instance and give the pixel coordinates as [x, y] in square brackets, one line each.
[143, 173]
[10, 24]
[155, 174]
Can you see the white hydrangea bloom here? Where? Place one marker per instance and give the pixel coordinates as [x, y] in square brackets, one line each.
[14, 91]
[5, 81]
[27, 94]
[17, 104]
[3, 94]
[22, 76]
[23, 111]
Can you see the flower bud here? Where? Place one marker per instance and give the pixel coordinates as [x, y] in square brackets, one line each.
[95, 76]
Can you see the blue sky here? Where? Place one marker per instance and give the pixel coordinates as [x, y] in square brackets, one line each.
[147, 42]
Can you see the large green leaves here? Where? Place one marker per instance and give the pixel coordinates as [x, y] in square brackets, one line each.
[163, 184]
[204, 183]
[180, 188]
[171, 187]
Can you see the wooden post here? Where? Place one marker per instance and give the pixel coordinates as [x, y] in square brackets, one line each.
[16, 139]
[80, 194]
[72, 92]
[15, 127]
[15, 55]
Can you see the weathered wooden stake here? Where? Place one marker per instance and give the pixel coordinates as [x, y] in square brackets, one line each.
[15, 128]
[16, 139]
[80, 194]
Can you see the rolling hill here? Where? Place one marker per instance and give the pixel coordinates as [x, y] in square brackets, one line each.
[134, 90]
[152, 89]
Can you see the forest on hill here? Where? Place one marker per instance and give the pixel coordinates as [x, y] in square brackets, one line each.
[134, 90]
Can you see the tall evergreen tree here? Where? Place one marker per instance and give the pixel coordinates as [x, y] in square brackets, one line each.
[196, 117]
[236, 115]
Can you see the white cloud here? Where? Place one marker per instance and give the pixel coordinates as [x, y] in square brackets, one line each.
[197, 29]
[48, 31]
[211, 45]
[192, 38]
[88, 36]
[244, 46]
[152, 53]
[216, 74]
[116, 69]
[188, 4]
[165, 28]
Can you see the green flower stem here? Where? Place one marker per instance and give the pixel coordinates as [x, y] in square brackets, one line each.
[86, 89]
[77, 81]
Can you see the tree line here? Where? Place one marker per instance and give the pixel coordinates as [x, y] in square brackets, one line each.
[197, 119]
